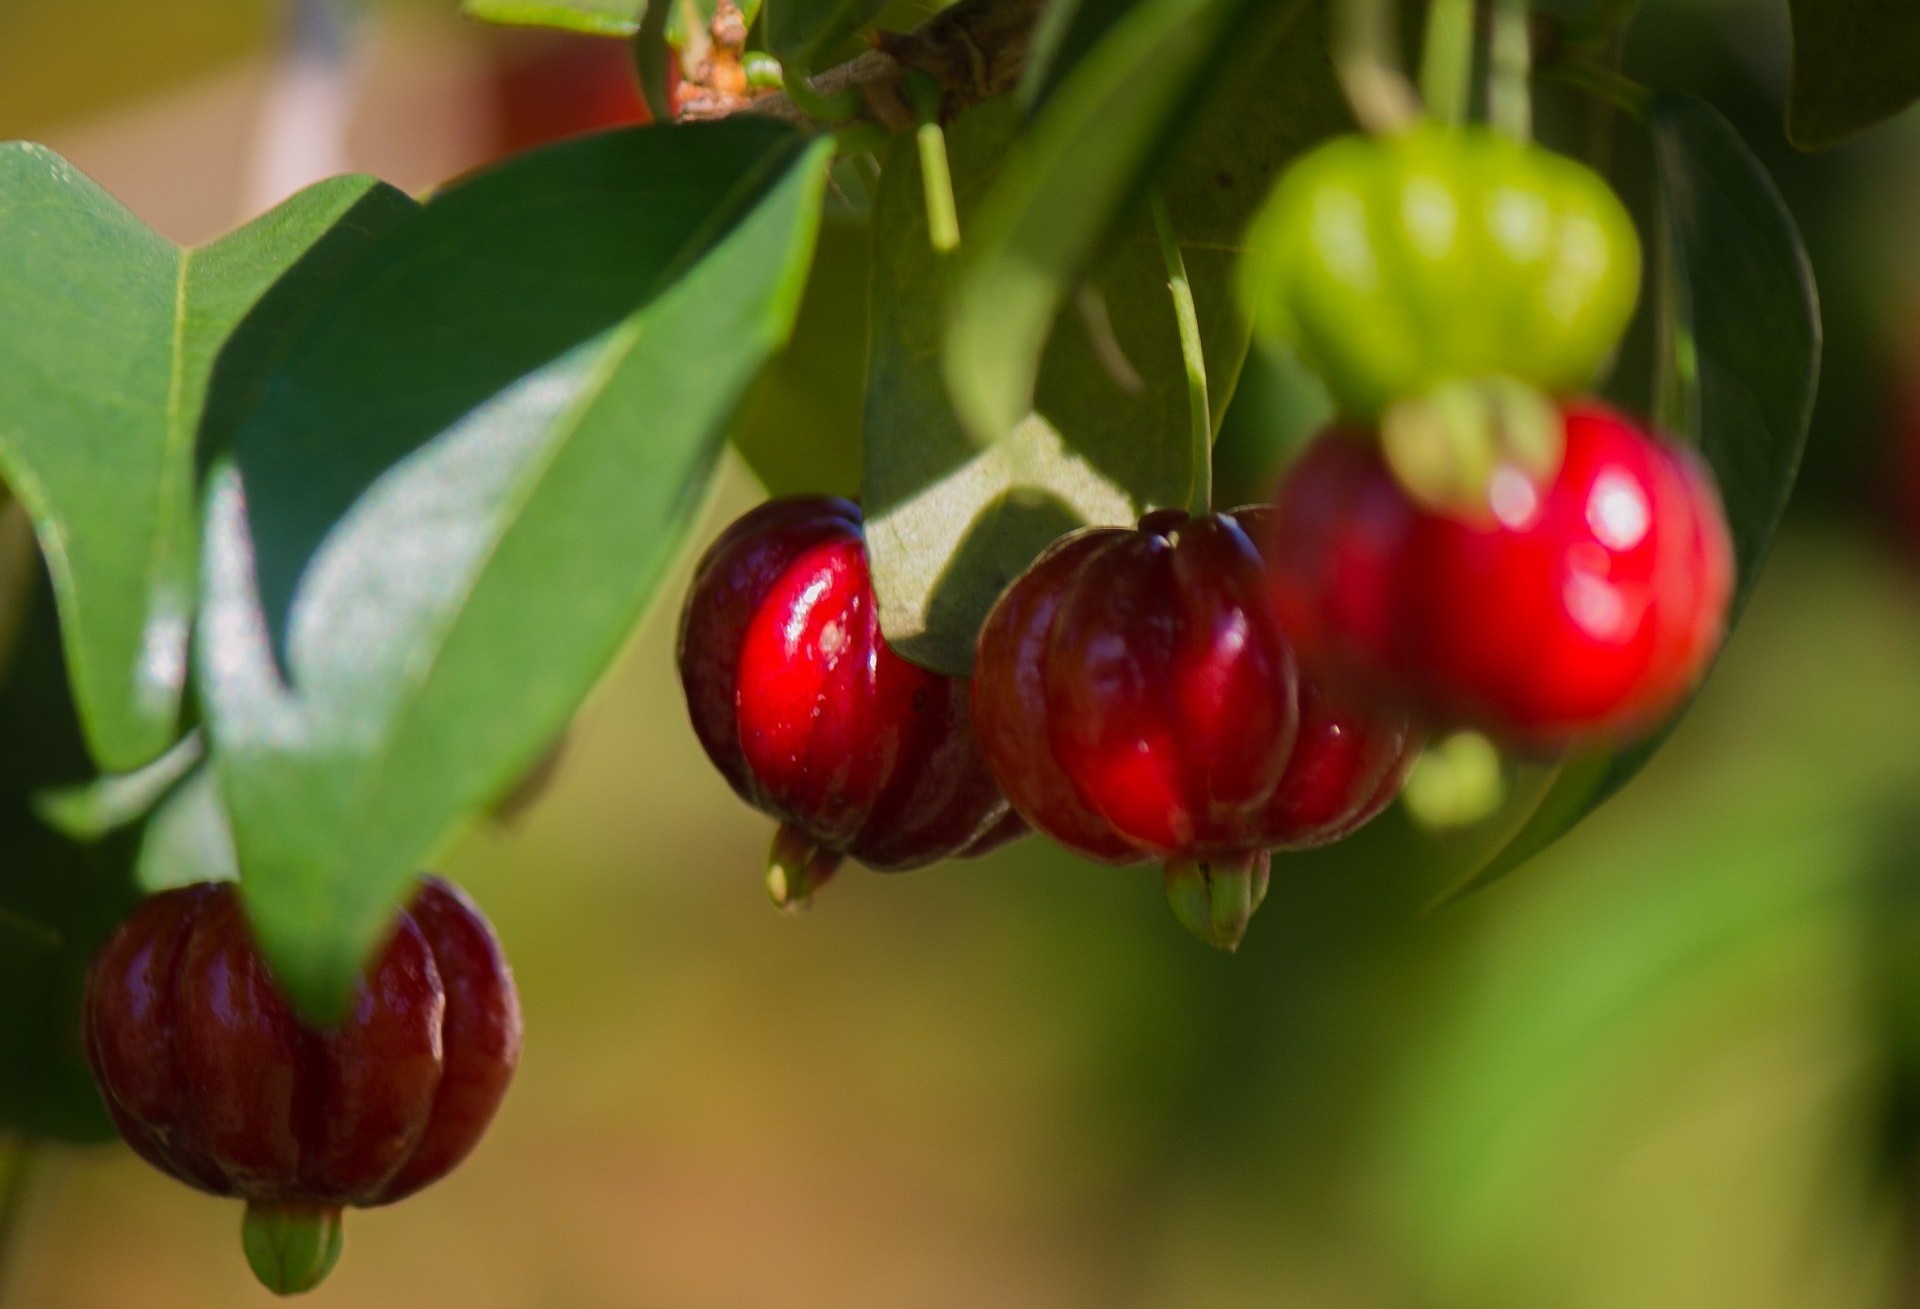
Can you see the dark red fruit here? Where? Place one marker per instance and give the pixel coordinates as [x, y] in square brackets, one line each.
[1587, 609]
[211, 1078]
[813, 719]
[1138, 699]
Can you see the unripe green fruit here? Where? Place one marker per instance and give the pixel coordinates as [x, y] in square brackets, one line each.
[1392, 264]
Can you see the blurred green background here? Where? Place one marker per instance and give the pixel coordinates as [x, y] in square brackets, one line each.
[1676, 1062]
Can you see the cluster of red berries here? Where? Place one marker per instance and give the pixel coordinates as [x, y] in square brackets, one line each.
[1202, 691]
[1470, 546]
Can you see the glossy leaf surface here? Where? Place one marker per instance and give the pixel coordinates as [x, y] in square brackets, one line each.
[459, 487]
[107, 351]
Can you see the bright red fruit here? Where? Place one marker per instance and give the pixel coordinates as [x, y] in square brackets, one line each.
[813, 719]
[1137, 697]
[211, 1078]
[1585, 609]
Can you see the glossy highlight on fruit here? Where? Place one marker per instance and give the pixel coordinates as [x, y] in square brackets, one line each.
[1139, 699]
[813, 719]
[212, 1078]
[1394, 264]
[1584, 609]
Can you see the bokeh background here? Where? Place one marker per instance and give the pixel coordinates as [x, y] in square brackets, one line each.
[1674, 1063]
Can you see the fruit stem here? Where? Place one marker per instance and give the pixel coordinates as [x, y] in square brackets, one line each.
[936, 175]
[19, 1163]
[1446, 60]
[1366, 58]
[943, 216]
[1510, 69]
[1193, 354]
[1216, 898]
[291, 1247]
[797, 866]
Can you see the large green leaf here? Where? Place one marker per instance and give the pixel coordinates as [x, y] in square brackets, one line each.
[1107, 431]
[1742, 339]
[1069, 179]
[1855, 62]
[456, 492]
[602, 17]
[107, 348]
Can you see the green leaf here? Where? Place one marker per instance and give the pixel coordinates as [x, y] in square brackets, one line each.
[594, 17]
[188, 837]
[948, 524]
[1069, 179]
[799, 430]
[1855, 62]
[797, 31]
[604, 17]
[458, 489]
[1742, 340]
[106, 359]
[92, 809]
[1107, 433]
[72, 892]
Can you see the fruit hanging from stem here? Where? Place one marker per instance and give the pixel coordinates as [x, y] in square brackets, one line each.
[1138, 699]
[1581, 609]
[212, 1078]
[810, 715]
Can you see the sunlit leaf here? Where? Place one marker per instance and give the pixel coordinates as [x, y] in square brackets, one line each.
[458, 489]
[107, 350]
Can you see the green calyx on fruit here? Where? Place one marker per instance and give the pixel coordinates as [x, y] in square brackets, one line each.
[291, 1247]
[1458, 781]
[1448, 446]
[1216, 898]
[797, 866]
[1391, 264]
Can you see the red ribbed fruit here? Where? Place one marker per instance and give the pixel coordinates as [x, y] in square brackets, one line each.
[1585, 609]
[813, 719]
[211, 1077]
[1138, 699]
